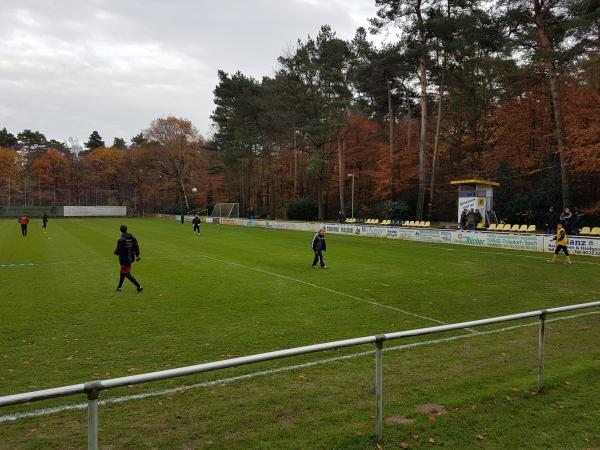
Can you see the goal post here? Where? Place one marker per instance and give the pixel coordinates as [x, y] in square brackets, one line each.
[227, 210]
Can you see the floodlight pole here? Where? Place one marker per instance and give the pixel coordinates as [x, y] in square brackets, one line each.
[352, 175]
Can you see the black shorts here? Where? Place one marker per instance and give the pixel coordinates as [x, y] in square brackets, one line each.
[563, 248]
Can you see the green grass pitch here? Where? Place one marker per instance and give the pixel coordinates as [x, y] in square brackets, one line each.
[233, 291]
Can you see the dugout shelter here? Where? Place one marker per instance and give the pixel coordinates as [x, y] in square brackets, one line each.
[477, 194]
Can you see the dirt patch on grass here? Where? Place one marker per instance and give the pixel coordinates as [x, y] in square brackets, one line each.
[431, 408]
[398, 420]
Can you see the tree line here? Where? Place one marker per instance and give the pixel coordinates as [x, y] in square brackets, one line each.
[155, 173]
[507, 90]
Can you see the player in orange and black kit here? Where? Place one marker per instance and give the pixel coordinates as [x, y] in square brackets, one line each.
[128, 251]
[561, 244]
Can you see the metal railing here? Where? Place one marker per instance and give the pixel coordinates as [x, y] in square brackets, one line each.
[93, 388]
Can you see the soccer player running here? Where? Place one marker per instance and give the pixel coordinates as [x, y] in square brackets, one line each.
[128, 251]
[196, 223]
[319, 246]
[561, 244]
[24, 220]
[45, 221]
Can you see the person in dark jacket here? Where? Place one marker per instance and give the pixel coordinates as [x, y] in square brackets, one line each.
[196, 223]
[319, 246]
[24, 220]
[551, 220]
[128, 251]
[341, 217]
[45, 221]
[566, 219]
[463, 219]
[471, 219]
[182, 218]
[478, 217]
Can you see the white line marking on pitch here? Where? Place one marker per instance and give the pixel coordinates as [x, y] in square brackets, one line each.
[125, 398]
[333, 291]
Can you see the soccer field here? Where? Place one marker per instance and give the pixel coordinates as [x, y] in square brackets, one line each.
[234, 291]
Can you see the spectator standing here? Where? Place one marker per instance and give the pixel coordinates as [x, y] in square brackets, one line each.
[463, 219]
[471, 219]
[341, 217]
[478, 217]
[566, 220]
[551, 220]
[577, 218]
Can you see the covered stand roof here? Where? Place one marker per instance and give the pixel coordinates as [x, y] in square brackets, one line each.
[485, 182]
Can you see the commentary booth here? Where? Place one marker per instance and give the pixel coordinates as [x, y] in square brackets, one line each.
[477, 194]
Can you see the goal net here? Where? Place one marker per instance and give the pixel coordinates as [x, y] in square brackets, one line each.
[226, 210]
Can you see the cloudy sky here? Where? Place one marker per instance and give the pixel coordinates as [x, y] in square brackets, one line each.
[69, 67]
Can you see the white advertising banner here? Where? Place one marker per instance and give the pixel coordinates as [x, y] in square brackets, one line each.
[512, 241]
[95, 211]
[578, 245]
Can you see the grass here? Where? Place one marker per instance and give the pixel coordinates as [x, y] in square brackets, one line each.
[233, 291]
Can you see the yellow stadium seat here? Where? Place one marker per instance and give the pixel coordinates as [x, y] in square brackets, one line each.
[595, 231]
[515, 227]
[531, 229]
[411, 223]
[479, 226]
[585, 231]
[369, 221]
[427, 224]
[419, 223]
[375, 221]
[492, 227]
[506, 227]
[523, 228]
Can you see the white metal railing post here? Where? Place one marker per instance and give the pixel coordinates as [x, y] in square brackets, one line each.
[379, 387]
[542, 332]
[92, 389]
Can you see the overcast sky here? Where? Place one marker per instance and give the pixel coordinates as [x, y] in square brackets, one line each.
[68, 67]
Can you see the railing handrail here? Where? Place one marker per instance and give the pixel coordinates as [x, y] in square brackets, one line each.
[99, 385]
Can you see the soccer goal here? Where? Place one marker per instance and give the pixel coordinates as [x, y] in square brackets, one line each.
[226, 210]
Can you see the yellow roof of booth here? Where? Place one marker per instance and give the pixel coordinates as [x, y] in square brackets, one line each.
[486, 182]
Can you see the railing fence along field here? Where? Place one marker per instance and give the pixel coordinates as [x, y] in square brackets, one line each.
[92, 389]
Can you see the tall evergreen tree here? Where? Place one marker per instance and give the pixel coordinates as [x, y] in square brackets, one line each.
[7, 139]
[94, 141]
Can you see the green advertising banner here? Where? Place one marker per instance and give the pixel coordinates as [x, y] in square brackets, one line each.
[32, 211]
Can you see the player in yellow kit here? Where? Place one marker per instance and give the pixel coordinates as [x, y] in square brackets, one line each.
[561, 244]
